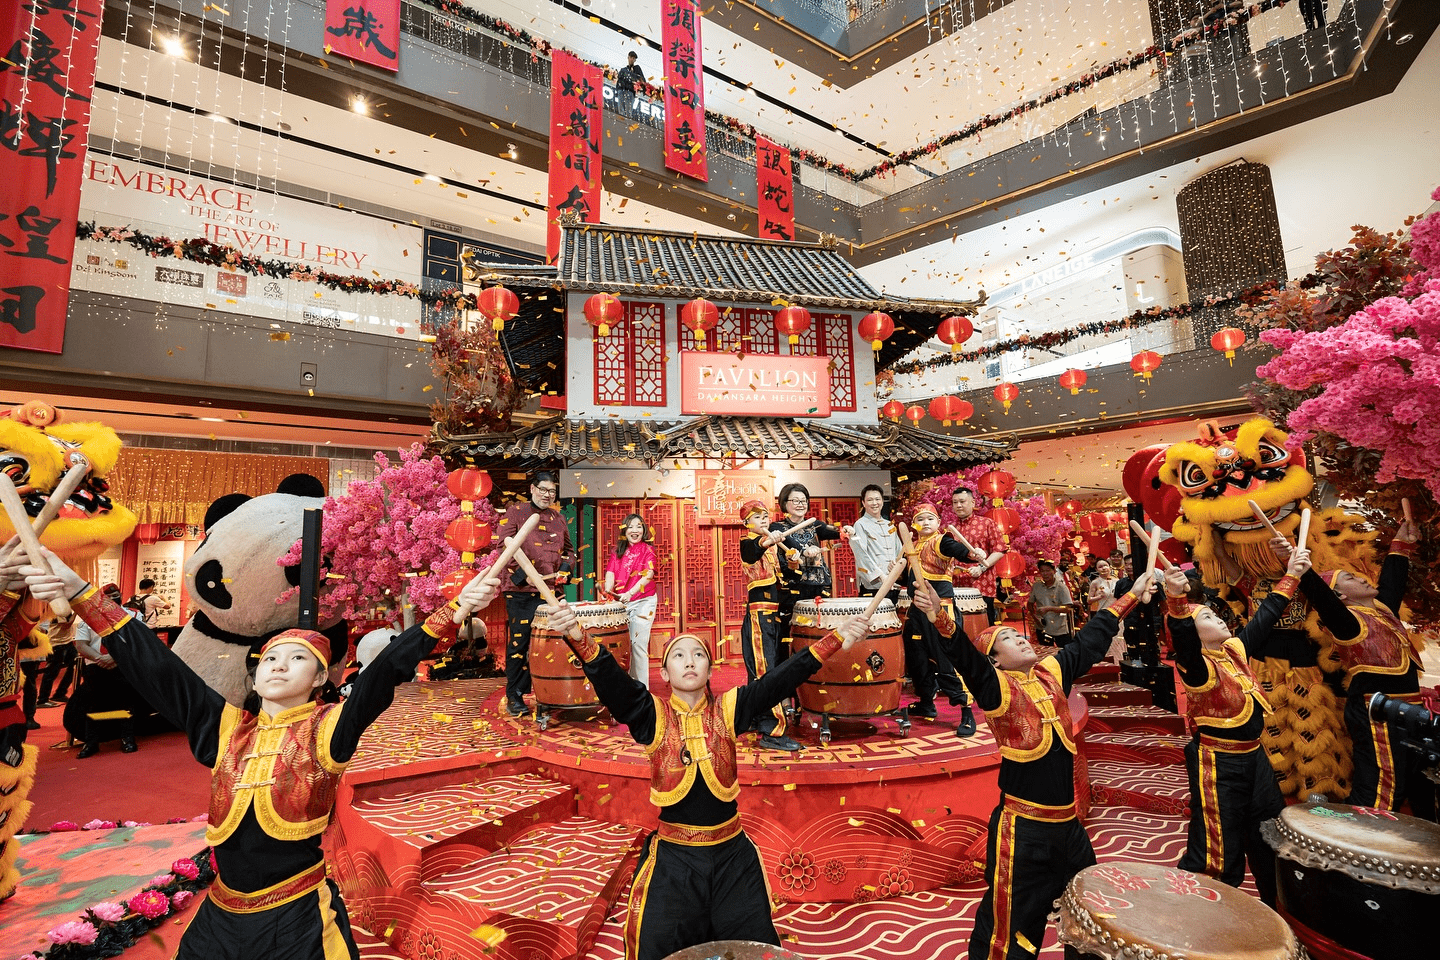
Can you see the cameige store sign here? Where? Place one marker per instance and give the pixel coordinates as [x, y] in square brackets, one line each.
[754, 385]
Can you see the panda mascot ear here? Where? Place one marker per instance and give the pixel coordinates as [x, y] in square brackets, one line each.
[223, 507]
[302, 485]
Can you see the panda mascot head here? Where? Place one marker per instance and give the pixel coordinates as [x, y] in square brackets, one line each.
[237, 585]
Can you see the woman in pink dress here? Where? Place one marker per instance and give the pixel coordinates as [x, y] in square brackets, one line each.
[630, 578]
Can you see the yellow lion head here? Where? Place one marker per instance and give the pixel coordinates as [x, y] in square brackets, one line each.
[36, 451]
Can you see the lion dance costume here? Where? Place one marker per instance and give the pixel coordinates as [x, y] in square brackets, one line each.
[36, 451]
[1200, 491]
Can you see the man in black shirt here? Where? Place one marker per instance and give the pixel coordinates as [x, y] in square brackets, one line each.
[630, 81]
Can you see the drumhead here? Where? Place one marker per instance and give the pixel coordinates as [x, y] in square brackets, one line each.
[1374, 846]
[829, 613]
[968, 600]
[592, 615]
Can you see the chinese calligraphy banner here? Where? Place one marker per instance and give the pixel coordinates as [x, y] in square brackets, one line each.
[684, 88]
[575, 92]
[364, 30]
[47, 75]
[775, 190]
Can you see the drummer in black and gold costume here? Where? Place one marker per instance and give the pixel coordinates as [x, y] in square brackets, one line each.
[925, 656]
[700, 877]
[760, 633]
[1036, 842]
[1232, 785]
[276, 767]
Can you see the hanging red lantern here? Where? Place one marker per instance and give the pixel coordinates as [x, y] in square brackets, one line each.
[454, 582]
[699, 315]
[1093, 523]
[467, 483]
[949, 408]
[1145, 363]
[894, 410]
[1006, 518]
[915, 414]
[1069, 508]
[603, 310]
[997, 484]
[468, 535]
[1073, 380]
[955, 331]
[876, 327]
[793, 321]
[1010, 566]
[1228, 340]
[1006, 394]
[498, 305]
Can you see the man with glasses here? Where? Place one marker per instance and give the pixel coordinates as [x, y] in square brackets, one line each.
[550, 550]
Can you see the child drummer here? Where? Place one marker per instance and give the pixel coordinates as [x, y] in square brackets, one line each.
[276, 767]
[700, 877]
[760, 633]
[1036, 842]
[1232, 785]
[929, 666]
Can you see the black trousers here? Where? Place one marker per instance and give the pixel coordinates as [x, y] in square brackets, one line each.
[312, 927]
[519, 612]
[1027, 866]
[760, 646]
[58, 666]
[1314, 13]
[1387, 773]
[685, 895]
[1231, 794]
[929, 668]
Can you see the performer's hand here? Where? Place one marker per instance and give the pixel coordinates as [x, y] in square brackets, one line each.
[1176, 583]
[847, 531]
[926, 600]
[562, 617]
[1281, 548]
[58, 583]
[1408, 532]
[852, 631]
[976, 571]
[1144, 587]
[478, 593]
[11, 560]
[1299, 563]
[812, 552]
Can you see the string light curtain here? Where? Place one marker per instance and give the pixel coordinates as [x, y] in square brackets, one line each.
[178, 486]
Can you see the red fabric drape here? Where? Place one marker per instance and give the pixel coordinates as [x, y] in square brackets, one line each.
[364, 30]
[775, 190]
[684, 88]
[575, 119]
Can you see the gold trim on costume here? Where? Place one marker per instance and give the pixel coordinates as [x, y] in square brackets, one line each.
[275, 895]
[692, 836]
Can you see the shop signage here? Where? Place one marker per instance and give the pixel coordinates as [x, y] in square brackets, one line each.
[364, 30]
[754, 385]
[719, 494]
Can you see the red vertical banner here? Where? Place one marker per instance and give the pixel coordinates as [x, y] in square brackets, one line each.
[575, 93]
[684, 88]
[364, 30]
[47, 75]
[774, 190]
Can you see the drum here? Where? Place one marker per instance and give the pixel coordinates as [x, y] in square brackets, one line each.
[734, 950]
[970, 610]
[555, 672]
[865, 681]
[1367, 880]
[1128, 910]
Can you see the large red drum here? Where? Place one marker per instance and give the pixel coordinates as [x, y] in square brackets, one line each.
[1122, 911]
[970, 610]
[1358, 879]
[555, 672]
[863, 682]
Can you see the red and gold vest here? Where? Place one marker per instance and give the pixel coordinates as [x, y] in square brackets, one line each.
[1228, 698]
[279, 765]
[765, 571]
[933, 563]
[1383, 646]
[1033, 710]
[707, 732]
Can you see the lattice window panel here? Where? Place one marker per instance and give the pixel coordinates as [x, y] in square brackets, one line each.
[737, 328]
[840, 512]
[699, 581]
[611, 363]
[829, 336]
[630, 359]
[660, 516]
[732, 582]
[608, 515]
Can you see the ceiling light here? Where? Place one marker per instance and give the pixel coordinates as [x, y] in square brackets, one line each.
[212, 419]
[513, 154]
[359, 105]
[431, 176]
[1403, 39]
[219, 119]
[171, 46]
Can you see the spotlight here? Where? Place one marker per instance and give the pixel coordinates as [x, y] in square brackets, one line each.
[512, 153]
[1403, 39]
[171, 46]
[359, 105]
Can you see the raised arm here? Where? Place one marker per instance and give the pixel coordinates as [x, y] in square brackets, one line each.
[625, 697]
[974, 667]
[757, 697]
[1093, 640]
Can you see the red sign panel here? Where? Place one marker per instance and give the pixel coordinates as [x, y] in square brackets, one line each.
[364, 30]
[719, 494]
[775, 190]
[684, 88]
[47, 74]
[575, 94]
[754, 385]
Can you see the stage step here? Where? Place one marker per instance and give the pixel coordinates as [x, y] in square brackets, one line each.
[477, 813]
[1113, 693]
[1142, 785]
[562, 876]
[1134, 719]
[1160, 748]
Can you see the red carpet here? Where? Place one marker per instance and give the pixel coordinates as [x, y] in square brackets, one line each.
[160, 781]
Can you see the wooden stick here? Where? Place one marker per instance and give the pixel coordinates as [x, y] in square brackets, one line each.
[960, 539]
[770, 540]
[1405, 509]
[1140, 532]
[1260, 515]
[512, 544]
[1150, 561]
[15, 509]
[577, 632]
[896, 568]
[1305, 526]
[907, 543]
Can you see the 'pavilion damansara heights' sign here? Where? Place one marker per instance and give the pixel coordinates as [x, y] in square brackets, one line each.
[754, 385]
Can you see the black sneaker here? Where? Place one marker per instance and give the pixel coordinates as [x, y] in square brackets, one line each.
[128, 745]
[923, 710]
[967, 724]
[514, 708]
[89, 750]
[779, 743]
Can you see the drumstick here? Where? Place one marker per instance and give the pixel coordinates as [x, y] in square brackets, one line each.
[1405, 509]
[68, 484]
[896, 568]
[783, 534]
[1140, 532]
[960, 539]
[1150, 561]
[512, 544]
[1305, 524]
[577, 633]
[1260, 515]
[28, 540]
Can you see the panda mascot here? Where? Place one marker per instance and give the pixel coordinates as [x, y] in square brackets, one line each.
[242, 596]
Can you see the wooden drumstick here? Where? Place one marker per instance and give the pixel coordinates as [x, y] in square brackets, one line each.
[907, 544]
[1260, 515]
[960, 539]
[512, 544]
[771, 540]
[896, 568]
[577, 632]
[1136, 526]
[1305, 526]
[1405, 509]
[28, 540]
[68, 484]
[1150, 561]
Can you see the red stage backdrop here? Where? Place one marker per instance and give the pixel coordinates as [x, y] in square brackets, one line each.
[775, 190]
[364, 30]
[684, 88]
[575, 93]
[46, 78]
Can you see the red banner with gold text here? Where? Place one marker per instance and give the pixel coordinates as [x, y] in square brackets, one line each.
[364, 30]
[575, 94]
[684, 88]
[47, 76]
[775, 191]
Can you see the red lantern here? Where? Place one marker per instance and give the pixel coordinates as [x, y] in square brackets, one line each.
[997, 484]
[498, 304]
[894, 410]
[947, 408]
[876, 327]
[699, 315]
[1069, 508]
[1073, 380]
[955, 331]
[603, 311]
[1006, 393]
[1010, 566]
[1093, 523]
[468, 535]
[1145, 363]
[467, 483]
[793, 321]
[1006, 518]
[1228, 340]
[915, 414]
[454, 582]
